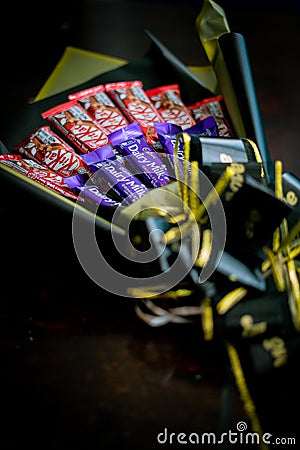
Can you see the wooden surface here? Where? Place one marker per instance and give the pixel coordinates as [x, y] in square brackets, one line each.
[79, 370]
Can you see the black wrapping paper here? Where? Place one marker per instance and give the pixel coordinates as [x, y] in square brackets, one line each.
[235, 55]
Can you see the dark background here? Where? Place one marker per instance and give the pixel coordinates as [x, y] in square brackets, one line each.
[79, 370]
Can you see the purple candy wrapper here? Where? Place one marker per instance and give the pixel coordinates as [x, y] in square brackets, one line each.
[205, 127]
[111, 177]
[76, 181]
[93, 193]
[114, 177]
[96, 156]
[167, 133]
[139, 156]
[84, 187]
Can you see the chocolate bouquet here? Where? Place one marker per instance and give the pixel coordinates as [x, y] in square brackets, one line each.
[176, 203]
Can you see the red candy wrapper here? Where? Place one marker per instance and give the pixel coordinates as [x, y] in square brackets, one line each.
[167, 100]
[48, 149]
[100, 107]
[42, 175]
[75, 123]
[136, 106]
[213, 106]
[9, 157]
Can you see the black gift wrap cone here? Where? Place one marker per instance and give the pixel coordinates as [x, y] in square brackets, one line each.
[242, 91]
